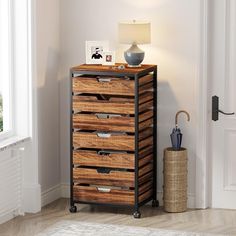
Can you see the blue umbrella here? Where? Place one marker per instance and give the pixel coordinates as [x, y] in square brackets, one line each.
[176, 135]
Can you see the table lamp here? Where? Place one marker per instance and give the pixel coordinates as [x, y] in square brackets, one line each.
[134, 32]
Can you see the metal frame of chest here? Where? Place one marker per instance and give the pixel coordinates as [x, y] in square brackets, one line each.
[143, 92]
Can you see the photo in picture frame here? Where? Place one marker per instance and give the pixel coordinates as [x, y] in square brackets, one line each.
[94, 51]
[109, 58]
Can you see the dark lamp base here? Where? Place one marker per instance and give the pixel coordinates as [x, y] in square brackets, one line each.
[134, 56]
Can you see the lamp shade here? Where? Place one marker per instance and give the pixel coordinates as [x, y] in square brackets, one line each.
[134, 32]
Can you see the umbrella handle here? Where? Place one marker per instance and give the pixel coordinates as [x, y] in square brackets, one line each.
[176, 116]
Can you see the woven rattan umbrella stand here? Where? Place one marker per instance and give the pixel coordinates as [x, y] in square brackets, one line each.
[175, 180]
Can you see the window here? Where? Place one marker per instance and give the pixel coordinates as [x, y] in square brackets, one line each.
[15, 68]
[5, 67]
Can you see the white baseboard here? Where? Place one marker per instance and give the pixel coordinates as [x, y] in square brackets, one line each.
[31, 198]
[55, 192]
[6, 217]
[191, 201]
[65, 190]
[51, 195]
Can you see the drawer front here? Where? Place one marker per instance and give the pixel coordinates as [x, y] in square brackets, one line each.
[110, 85]
[111, 141]
[113, 160]
[90, 104]
[110, 195]
[102, 122]
[103, 176]
[96, 194]
[103, 85]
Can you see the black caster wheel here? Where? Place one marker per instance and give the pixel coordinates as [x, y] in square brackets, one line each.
[155, 203]
[73, 209]
[137, 215]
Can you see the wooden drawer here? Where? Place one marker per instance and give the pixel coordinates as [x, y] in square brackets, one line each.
[103, 122]
[103, 85]
[145, 156]
[96, 194]
[111, 177]
[145, 169]
[146, 138]
[103, 176]
[110, 195]
[115, 123]
[92, 104]
[112, 141]
[147, 194]
[145, 97]
[113, 160]
[145, 119]
[103, 141]
[111, 85]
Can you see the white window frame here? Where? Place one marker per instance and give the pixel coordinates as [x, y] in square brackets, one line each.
[25, 105]
[8, 90]
[21, 71]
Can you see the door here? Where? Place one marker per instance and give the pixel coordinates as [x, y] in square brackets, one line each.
[222, 68]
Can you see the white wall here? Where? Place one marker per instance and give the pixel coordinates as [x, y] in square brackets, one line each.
[47, 70]
[174, 48]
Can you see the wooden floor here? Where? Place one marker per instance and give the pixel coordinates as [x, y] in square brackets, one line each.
[210, 221]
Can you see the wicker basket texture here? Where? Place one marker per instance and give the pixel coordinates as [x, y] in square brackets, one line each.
[175, 180]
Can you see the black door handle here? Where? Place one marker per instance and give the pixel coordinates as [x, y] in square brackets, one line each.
[216, 110]
[226, 113]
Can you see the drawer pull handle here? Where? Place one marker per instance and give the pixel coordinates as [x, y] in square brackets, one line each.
[104, 135]
[103, 79]
[106, 116]
[102, 116]
[103, 154]
[103, 190]
[103, 170]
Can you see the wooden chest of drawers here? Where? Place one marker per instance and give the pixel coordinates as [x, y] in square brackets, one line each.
[113, 135]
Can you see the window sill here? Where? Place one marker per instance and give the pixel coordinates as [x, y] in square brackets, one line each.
[12, 141]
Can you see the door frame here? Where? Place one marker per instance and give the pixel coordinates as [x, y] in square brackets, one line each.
[203, 139]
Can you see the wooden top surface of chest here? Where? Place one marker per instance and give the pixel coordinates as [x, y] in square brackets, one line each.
[113, 70]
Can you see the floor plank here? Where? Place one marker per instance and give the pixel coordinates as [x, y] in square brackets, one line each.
[216, 221]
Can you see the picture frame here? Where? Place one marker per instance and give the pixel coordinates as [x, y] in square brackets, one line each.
[109, 58]
[94, 51]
